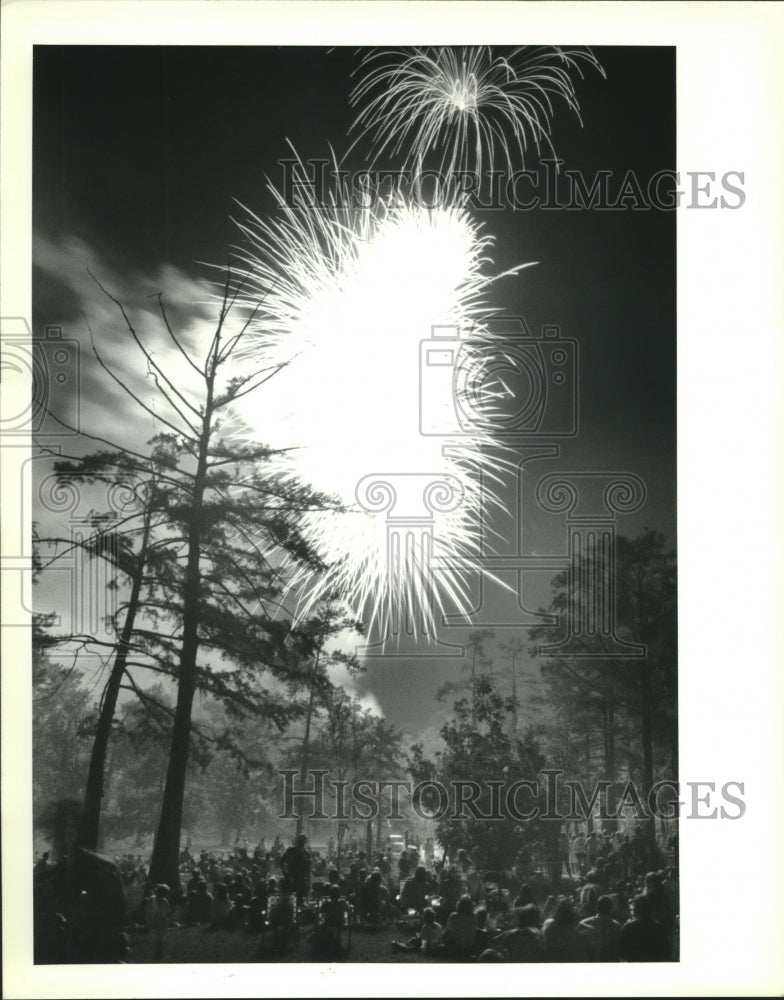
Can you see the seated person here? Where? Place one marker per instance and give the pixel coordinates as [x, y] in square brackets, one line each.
[222, 909]
[414, 893]
[563, 940]
[428, 939]
[523, 943]
[450, 888]
[431, 931]
[602, 933]
[490, 955]
[335, 878]
[589, 895]
[459, 936]
[199, 905]
[483, 931]
[193, 881]
[239, 891]
[372, 898]
[641, 938]
[525, 896]
[157, 918]
[498, 908]
[257, 908]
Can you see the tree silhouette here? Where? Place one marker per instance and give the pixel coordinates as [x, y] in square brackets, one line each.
[478, 662]
[477, 747]
[511, 650]
[223, 532]
[595, 694]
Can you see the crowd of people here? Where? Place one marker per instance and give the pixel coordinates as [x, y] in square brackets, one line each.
[597, 900]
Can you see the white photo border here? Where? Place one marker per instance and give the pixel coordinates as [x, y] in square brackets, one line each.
[730, 107]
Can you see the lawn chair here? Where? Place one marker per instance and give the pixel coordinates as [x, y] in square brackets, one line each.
[281, 921]
[334, 919]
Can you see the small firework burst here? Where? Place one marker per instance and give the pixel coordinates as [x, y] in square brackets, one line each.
[346, 300]
[467, 105]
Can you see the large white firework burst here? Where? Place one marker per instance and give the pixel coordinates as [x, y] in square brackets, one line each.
[465, 103]
[346, 300]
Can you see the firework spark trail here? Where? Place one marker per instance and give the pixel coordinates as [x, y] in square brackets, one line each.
[346, 297]
[466, 102]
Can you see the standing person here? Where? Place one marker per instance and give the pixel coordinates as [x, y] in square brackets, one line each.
[403, 866]
[295, 864]
[639, 852]
[580, 852]
[563, 852]
[384, 867]
[593, 847]
[625, 857]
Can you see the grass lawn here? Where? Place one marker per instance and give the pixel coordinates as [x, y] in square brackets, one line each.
[198, 944]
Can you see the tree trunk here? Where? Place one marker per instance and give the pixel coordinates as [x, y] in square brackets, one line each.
[164, 863]
[89, 826]
[306, 739]
[379, 818]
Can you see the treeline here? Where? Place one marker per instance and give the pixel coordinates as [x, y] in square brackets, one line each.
[602, 719]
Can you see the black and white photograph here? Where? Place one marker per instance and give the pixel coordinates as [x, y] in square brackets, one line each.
[362, 581]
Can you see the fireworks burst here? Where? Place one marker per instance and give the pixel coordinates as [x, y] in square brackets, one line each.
[465, 103]
[347, 297]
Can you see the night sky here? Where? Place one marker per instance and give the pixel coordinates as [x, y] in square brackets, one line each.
[140, 152]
